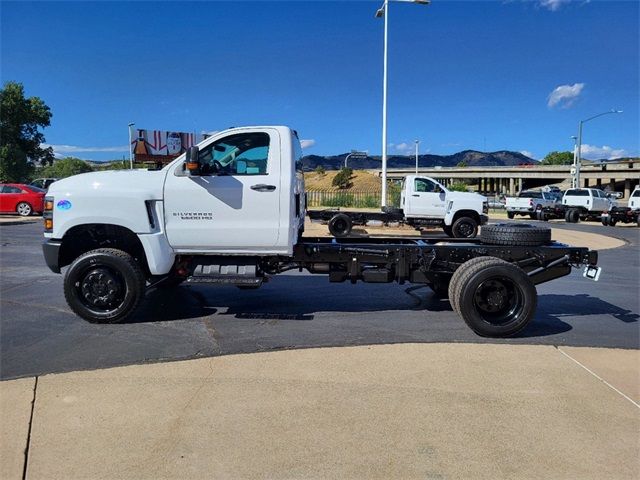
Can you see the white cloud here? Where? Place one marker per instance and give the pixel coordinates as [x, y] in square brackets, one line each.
[403, 148]
[553, 5]
[592, 152]
[565, 96]
[307, 143]
[59, 149]
[528, 154]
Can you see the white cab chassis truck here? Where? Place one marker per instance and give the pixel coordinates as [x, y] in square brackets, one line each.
[424, 202]
[628, 214]
[230, 211]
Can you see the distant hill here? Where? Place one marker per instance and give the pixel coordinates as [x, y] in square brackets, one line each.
[470, 158]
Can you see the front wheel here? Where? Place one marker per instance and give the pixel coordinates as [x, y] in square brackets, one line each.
[24, 209]
[464, 227]
[104, 285]
[495, 298]
[511, 215]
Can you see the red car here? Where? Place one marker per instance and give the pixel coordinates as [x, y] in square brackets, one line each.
[21, 199]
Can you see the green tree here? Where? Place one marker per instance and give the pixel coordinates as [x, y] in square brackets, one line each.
[66, 167]
[342, 178]
[558, 158]
[20, 137]
[458, 187]
[320, 171]
[462, 163]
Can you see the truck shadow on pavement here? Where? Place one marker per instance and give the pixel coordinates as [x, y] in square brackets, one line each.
[300, 298]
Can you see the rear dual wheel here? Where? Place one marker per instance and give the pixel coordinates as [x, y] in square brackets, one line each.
[495, 298]
[340, 225]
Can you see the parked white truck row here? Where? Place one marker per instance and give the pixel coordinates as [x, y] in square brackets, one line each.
[231, 211]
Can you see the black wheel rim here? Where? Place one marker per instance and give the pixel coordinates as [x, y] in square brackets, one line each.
[101, 289]
[340, 226]
[499, 301]
[465, 229]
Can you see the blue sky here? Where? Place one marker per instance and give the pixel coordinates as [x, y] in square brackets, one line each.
[462, 75]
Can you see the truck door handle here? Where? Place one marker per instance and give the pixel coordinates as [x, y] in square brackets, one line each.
[415, 195]
[261, 187]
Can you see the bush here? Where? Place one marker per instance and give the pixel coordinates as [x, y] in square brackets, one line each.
[320, 171]
[65, 168]
[458, 187]
[339, 200]
[343, 178]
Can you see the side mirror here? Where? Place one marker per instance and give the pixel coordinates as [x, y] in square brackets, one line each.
[192, 163]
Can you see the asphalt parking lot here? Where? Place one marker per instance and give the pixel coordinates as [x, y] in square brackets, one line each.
[40, 335]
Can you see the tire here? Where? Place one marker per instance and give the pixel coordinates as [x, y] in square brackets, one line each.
[495, 298]
[91, 274]
[638, 220]
[612, 222]
[604, 221]
[454, 284]
[516, 234]
[542, 216]
[24, 209]
[464, 227]
[340, 225]
[511, 215]
[447, 229]
[572, 216]
[533, 216]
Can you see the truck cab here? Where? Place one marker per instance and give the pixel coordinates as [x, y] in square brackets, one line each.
[243, 196]
[425, 199]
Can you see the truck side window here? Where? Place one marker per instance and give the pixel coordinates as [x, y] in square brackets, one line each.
[241, 154]
[423, 185]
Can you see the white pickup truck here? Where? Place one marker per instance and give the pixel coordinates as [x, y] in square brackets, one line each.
[529, 203]
[585, 204]
[424, 202]
[231, 211]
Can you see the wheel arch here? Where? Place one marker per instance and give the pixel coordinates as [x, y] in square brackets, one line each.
[466, 213]
[83, 238]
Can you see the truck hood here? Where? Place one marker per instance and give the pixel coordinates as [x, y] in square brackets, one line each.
[143, 184]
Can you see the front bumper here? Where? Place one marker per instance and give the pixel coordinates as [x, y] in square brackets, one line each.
[51, 250]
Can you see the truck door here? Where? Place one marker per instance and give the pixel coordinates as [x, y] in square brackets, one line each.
[424, 198]
[233, 205]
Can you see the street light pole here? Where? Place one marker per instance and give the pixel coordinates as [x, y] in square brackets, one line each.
[417, 142]
[575, 161]
[579, 154]
[384, 12]
[130, 145]
[384, 106]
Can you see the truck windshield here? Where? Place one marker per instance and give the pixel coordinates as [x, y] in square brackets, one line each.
[530, 195]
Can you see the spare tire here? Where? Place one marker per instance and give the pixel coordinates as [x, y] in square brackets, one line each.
[515, 234]
[340, 225]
